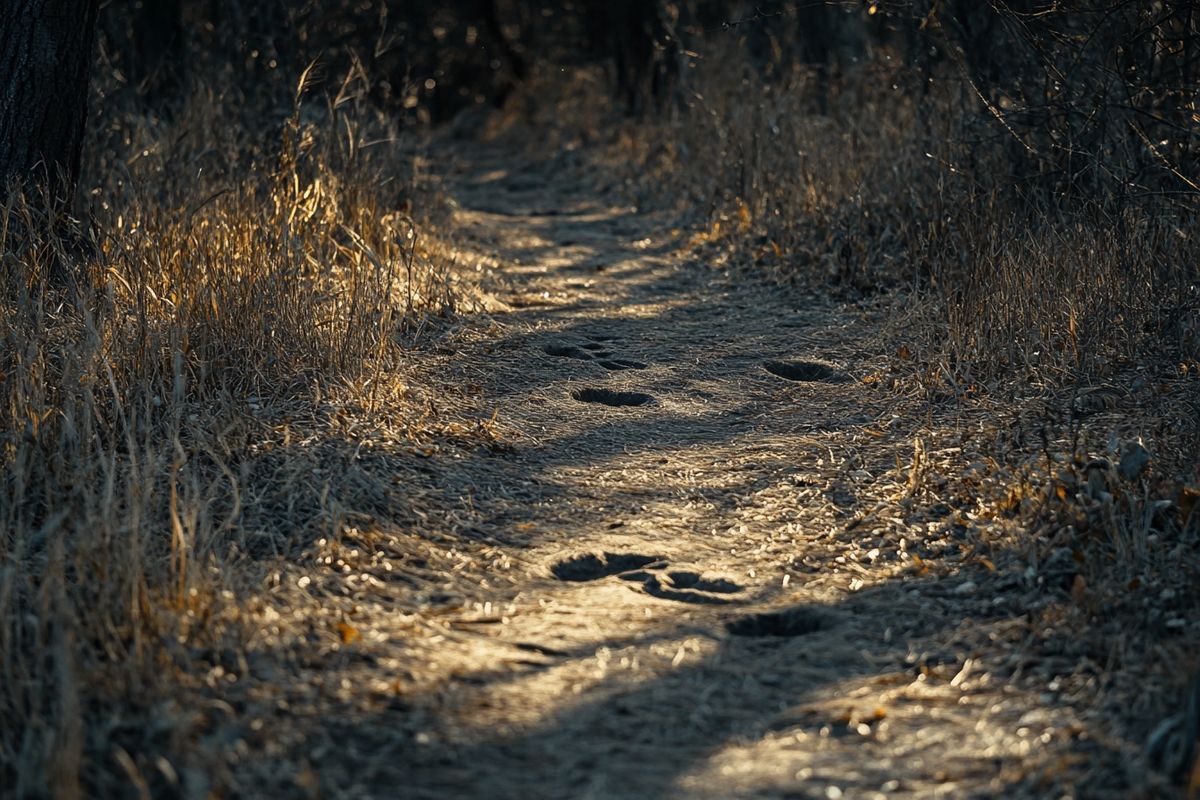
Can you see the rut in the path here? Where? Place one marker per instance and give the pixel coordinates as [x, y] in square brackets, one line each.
[705, 578]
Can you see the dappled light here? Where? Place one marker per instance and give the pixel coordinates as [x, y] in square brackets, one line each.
[514, 399]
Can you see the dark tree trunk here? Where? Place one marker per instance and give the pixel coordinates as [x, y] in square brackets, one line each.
[45, 61]
[632, 33]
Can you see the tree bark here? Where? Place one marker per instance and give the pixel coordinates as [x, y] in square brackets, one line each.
[45, 62]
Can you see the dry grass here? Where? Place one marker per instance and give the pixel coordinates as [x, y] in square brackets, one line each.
[243, 284]
[199, 405]
[1062, 333]
[886, 191]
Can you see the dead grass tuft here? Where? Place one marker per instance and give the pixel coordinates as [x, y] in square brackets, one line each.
[240, 287]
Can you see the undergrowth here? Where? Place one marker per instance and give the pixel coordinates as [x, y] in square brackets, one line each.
[244, 262]
[1071, 316]
[248, 258]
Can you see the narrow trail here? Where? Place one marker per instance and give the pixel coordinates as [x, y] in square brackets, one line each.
[696, 577]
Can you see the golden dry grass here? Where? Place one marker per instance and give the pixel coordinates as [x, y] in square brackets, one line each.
[987, 287]
[182, 436]
[891, 189]
[241, 286]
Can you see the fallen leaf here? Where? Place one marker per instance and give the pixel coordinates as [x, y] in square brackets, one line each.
[348, 632]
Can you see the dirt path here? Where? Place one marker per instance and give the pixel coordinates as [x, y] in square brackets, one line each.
[695, 571]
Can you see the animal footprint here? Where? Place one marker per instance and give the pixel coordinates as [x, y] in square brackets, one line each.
[690, 587]
[790, 622]
[694, 580]
[594, 566]
[567, 351]
[805, 371]
[611, 398]
[616, 364]
[643, 570]
[596, 351]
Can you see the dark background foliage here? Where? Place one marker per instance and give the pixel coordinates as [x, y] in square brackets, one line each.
[1075, 95]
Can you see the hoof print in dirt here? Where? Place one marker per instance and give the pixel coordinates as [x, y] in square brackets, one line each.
[780, 624]
[567, 351]
[617, 364]
[638, 575]
[694, 580]
[805, 371]
[611, 398]
[592, 351]
[689, 587]
[594, 566]
[541, 650]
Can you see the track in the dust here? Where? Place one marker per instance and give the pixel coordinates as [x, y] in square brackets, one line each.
[685, 617]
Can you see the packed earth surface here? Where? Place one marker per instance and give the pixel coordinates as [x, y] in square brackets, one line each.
[708, 554]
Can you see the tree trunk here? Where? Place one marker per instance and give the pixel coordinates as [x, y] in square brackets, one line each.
[644, 55]
[157, 32]
[45, 61]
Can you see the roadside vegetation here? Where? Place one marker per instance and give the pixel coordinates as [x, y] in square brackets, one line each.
[255, 260]
[1011, 196]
